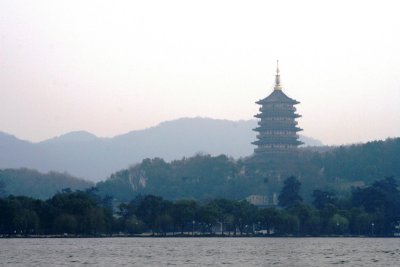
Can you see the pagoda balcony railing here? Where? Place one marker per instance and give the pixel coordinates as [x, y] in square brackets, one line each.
[275, 118]
[268, 134]
[278, 106]
[265, 129]
[277, 122]
[284, 109]
[276, 145]
[274, 114]
[286, 141]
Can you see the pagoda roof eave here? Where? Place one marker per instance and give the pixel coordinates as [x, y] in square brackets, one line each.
[277, 96]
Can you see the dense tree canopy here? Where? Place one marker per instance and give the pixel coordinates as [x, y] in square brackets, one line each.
[72, 212]
[372, 210]
[382, 201]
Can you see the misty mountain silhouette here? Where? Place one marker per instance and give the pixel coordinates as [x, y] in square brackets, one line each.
[82, 154]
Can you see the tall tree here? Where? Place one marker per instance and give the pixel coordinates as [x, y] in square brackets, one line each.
[321, 198]
[290, 193]
[184, 212]
[153, 211]
[2, 189]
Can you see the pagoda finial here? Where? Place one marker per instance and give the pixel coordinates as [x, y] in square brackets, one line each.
[277, 78]
[277, 66]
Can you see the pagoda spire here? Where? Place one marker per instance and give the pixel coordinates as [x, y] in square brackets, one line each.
[277, 78]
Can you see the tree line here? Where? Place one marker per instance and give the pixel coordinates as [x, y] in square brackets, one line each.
[368, 211]
[373, 210]
[66, 212]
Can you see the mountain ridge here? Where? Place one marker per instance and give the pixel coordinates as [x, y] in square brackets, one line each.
[84, 155]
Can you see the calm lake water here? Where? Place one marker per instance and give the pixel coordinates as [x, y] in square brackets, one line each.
[200, 252]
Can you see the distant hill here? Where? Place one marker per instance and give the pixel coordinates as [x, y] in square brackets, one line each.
[82, 154]
[25, 182]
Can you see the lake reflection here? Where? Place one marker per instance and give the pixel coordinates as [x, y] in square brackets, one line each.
[200, 252]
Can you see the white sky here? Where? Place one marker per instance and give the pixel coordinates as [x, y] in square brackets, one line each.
[110, 67]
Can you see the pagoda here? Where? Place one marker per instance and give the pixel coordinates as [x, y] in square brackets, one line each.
[277, 128]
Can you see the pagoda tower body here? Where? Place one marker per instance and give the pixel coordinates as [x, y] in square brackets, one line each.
[277, 128]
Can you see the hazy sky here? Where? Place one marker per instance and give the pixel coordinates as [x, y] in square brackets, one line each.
[110, 67]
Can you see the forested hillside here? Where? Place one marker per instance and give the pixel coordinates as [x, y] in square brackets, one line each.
[25, 182]
[363, 162]
[205, 176]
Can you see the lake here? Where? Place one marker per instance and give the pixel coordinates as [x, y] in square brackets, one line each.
[200, 252]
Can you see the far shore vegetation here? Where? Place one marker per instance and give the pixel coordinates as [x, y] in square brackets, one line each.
[369, 211]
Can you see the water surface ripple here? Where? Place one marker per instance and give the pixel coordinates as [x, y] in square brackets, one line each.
[200, 252]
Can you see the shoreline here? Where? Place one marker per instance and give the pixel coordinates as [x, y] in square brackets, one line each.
[70, 236]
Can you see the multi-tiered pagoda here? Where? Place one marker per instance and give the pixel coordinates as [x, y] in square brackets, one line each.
[277, 128]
